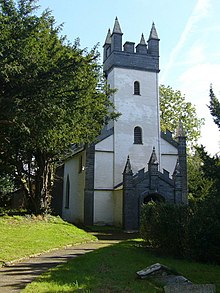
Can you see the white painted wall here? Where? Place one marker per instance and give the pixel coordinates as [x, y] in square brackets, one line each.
[103, 182]
[103, 177]
[103, 170]
[169, 155]
[103, 207]
[118, 207]
[105, 145]
[137, 110]
[75, 212]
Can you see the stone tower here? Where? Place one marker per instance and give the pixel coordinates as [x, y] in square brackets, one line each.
[131, 162]
[133, 71]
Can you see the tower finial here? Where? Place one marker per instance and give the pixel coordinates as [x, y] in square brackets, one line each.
[142, 41]
[108, 37]
[153, 158]
[127, 169]
[153, 33]
[180, 130]
[177, 170]
[117, 28]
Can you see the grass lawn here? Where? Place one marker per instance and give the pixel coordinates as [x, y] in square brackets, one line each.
[113, 269]
[24, 236]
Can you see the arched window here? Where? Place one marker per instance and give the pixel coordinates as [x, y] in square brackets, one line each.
[136, 88]
[67, 199]
[137, 135]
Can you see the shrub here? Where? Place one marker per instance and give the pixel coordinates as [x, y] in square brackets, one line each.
[204, 231]
[184, 231]
[164, 226]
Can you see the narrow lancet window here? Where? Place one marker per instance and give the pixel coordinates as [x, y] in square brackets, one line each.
[137, 135]
[136, 88]
[67, 199]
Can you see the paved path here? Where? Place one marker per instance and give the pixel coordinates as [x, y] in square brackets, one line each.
[16, 276]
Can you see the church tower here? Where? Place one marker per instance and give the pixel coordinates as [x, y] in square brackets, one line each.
[99, 186]
[133, 72]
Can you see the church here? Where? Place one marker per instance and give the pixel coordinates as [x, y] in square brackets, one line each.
[132, 161]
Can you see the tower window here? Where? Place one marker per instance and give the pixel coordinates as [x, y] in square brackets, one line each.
[67, 199]
[137, 135]
[136, 88]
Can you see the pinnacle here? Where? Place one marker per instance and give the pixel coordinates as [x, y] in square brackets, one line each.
[153, 32]
[108, 37]
[153, 158]
[177, 170]
[128, 169]
[117, 28]
[180, 130]
[142, 41]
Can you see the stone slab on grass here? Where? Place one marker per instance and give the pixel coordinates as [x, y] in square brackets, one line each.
[152, 270]
[187, 288]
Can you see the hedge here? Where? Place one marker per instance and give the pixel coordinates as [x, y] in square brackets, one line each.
[191, 231]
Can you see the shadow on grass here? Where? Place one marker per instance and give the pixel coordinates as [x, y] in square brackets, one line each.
[109, 269]
[113, 269]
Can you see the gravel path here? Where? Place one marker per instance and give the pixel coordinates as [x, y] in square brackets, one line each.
[16, 276]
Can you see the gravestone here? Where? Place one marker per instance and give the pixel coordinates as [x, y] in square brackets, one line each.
[151, 270]
[187, 288]
[172, 281]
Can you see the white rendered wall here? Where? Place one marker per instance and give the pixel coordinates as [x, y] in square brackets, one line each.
[103, 177]
[169, 155]
[103, 207]
[75, 212]
[103, 182]
[105, 145]
[103, 170]
[118, 207]
[137, 110]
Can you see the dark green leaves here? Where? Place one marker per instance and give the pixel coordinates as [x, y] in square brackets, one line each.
[173, 108]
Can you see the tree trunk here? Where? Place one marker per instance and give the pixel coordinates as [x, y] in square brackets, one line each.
[43, 184]
[47, 184]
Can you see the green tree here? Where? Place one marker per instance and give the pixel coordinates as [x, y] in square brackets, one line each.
[199, 185]
[211, 169]
[214, 107]
[173, 108]
[52, 95]
[207, 167]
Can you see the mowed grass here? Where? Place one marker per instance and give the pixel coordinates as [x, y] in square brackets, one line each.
[113, 269]
[24, 236]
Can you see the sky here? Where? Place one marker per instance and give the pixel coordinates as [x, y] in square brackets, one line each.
[189, 33]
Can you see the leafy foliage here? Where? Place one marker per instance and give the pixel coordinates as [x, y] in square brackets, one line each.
[204, 230]
[192, 231]
[163, 226]
[174, 108]
[211, 169]
[214, 107]
[199, 185]
[6, 186]
[184, 231]
[52, 95]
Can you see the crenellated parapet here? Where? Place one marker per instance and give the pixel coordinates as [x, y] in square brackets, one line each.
[151, 184]
[145, 56]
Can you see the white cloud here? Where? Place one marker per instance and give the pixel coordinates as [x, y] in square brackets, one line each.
[193, 61]
[195, 83]
[196, 54]
[200, 11]
[197, 79]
